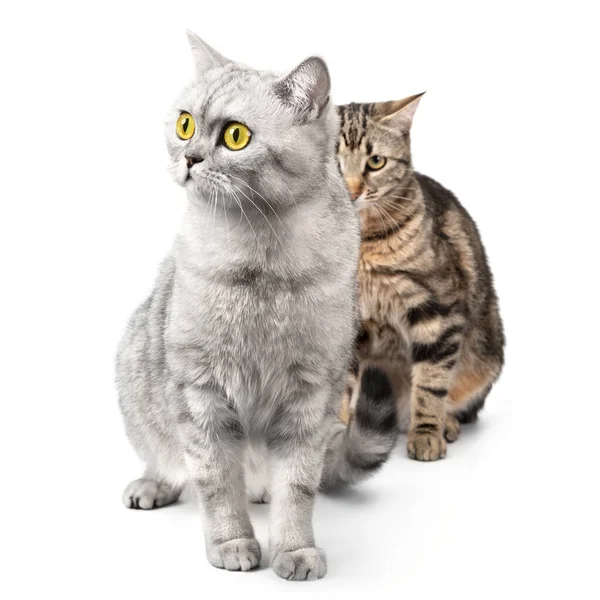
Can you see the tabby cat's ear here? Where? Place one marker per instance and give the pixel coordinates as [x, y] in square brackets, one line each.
[205, 57]
[398, 112]
[306, 88]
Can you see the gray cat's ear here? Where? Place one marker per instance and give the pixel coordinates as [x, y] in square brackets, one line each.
[205, 57]
[398, 112]
[306, 88]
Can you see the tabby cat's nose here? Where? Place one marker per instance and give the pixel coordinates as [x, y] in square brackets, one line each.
[192, 160]
[355, 186]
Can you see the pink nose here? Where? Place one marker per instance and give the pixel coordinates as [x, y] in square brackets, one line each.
[355, 186]
[190, 161]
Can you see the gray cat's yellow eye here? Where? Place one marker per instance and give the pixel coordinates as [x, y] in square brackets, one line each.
[236, 136]
[375, 162]
[185, 126]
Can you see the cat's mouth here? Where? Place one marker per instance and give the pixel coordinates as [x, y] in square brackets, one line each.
[203, 183]
[196, 178]
[193, 174]
[195, 183]
[366, 201]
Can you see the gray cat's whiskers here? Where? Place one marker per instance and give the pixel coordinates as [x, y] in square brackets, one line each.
[253, 191]
[226, 223]
[243, 212]
[216, 205]
[212, 208]
[265, 217]
[207, 207]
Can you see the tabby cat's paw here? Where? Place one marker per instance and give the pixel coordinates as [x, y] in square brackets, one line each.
[235, 555]
[452, 431]
[300, 565]
[426, 446]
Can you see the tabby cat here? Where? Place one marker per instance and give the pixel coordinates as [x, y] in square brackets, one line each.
[429, 310]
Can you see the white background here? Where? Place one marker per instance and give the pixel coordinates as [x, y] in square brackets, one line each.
[509, 122]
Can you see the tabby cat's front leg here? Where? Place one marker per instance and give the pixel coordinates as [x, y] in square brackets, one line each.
[433, 364]
[214, 441]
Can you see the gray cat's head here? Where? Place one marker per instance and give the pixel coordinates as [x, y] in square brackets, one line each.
[237, 133]
[374, 149]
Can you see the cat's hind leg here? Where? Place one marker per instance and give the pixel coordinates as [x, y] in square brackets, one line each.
[466, 398]
[479, 367]
[469, 390]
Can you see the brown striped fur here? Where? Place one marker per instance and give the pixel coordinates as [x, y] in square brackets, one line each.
[430, 314]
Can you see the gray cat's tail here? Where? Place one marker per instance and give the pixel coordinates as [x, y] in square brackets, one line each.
[358, 450]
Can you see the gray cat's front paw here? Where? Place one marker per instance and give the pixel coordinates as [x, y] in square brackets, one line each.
[147, 493]
[235, 555]
[300, 565]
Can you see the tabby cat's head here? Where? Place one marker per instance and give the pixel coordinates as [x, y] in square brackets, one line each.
[236, 133]
[374, 149]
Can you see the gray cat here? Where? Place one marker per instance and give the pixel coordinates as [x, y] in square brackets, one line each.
[230, 375]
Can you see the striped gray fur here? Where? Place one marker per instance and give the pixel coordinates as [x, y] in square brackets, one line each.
[230, 374]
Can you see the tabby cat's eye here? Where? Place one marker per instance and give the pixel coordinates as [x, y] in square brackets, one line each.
[375, 162]
[185, 126]
[236, 136]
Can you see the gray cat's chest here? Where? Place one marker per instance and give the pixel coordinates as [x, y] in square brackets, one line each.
[256, 335]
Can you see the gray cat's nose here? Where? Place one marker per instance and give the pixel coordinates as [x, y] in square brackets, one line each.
[192, 160]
